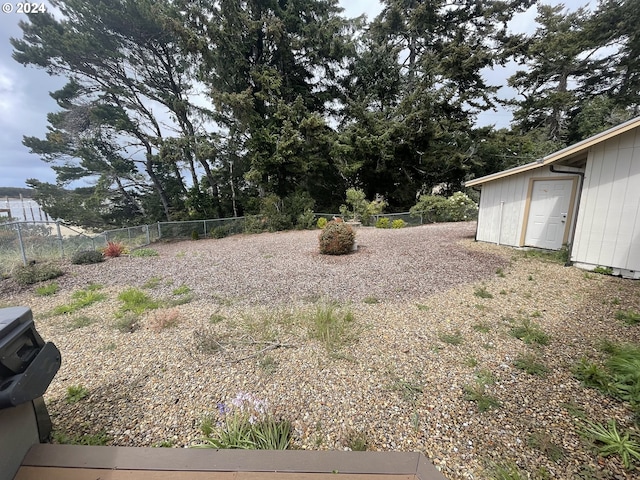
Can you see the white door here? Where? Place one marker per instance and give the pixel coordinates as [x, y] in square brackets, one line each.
[548, 213]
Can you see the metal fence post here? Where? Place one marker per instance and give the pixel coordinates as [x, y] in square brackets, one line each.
[159, 231]
[148, 234]
[204, 222]
[60, 239]
[24, 256]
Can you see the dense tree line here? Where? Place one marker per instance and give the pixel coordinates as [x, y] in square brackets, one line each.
[180, 109]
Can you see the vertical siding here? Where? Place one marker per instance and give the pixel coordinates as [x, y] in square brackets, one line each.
[608, 228]
[512, 191]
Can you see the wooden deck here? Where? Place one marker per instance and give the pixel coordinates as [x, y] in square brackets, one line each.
[73, 462]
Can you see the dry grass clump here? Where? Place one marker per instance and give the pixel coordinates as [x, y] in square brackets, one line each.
[164, 318]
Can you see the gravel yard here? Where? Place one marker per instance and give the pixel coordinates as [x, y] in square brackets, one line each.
[424, 327]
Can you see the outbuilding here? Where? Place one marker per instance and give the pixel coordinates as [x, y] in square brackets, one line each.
[585, 198]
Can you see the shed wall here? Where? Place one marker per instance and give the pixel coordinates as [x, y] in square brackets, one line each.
[512, 191]
[608, 224]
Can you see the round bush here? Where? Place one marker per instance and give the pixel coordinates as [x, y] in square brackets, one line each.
[399, 223]
[337, 238]
[85, 257]
[322, 222]
[383, 222]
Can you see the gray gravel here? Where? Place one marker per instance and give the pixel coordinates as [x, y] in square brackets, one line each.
[399, 382]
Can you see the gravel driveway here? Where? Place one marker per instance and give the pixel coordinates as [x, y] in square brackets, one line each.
[432, 312]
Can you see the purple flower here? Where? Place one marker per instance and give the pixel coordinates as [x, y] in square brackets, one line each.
[222, 408]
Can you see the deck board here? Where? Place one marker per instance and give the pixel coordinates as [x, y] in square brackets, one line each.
[58, 473]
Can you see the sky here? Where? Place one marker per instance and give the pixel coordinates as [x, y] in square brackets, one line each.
[25, 100]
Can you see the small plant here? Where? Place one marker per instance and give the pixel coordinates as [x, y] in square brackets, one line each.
[370, 300]
[136, 301]
[97, 439]
[80, 322]
[410, 390]
[153, 282]
[87, 257]
[542, 441]
[356, 441]
[422, 307]
[321, 223]
[476, 392]
[207, 341]
[246, 423]
[530, 333]
[332, 326]
[268, 364]
[482, 292]
[127, 322]
[166, 318]
[451, 338]
[612, 442]
[603, 270]
[630, 317]
[500, 272]
[113, 249]
[507, 471]
[181, 290]
[195, 235]
[35, 273]
[81, 299]
[75, 393]
[383, 222]
[216, 318]
[398, 223]
[144, 252]
[481, 327]
[471, 361]
[530, 364]
[48, 289]
[337, 238]
[591, 375]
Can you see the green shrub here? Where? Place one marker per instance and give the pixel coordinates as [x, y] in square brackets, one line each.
[322, 222]
[35, 273]
[383, 222]
[86, 257]
[337, 238]
[399, 223]
[195, 235]
[220, 232]
[305, 220]
[434, 208]
[81, 299]
[360, 209]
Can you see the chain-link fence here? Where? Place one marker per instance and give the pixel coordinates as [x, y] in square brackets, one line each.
[21, 242]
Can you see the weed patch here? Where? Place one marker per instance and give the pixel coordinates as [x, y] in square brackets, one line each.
[610, 441]
[482, 292]
[75, 393]
[451, 338]
[136, 301]
[333, 326]
[36, 273]
[165, 318]
[81, 299]
[630, 317]
[144, 252]
[529, 363]
[80, 322]
[48, 289]
[530, 333]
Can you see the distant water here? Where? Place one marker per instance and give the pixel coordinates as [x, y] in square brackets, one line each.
[25, 210]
